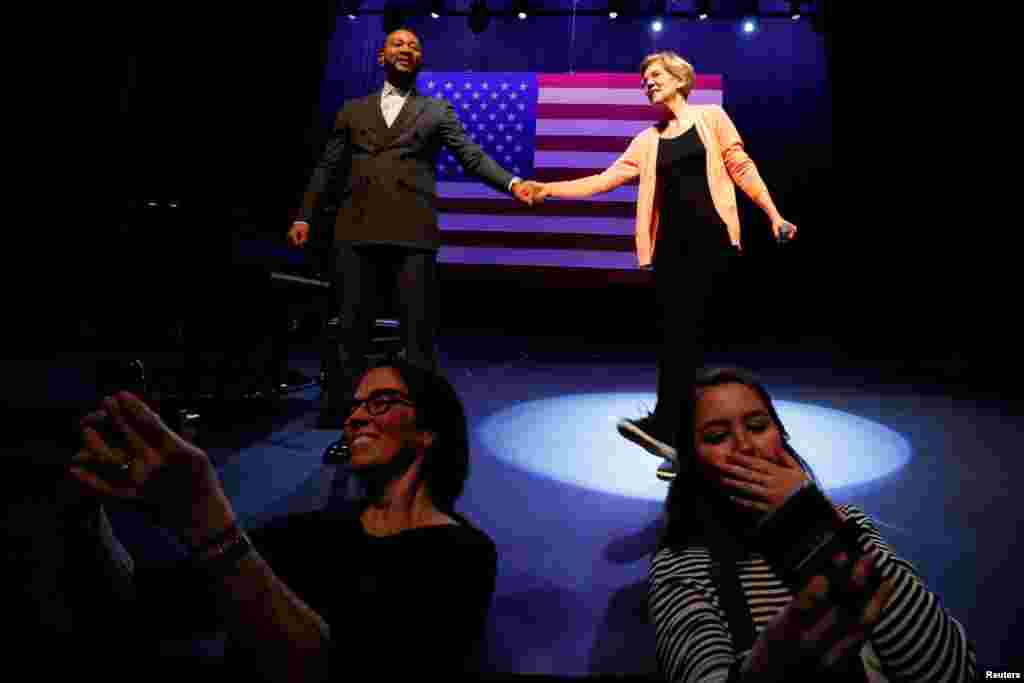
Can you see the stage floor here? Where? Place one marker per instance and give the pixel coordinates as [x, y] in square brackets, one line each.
[574, 508]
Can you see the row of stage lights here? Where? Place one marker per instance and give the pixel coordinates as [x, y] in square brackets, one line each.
[480, 16]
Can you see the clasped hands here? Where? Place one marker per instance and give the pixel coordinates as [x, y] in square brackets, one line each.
[530, 192]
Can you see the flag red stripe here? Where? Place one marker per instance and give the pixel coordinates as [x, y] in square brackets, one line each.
[581, 143]
[601, 112]
[615, 80]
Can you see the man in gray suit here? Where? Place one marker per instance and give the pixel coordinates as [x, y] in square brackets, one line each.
[381, 161]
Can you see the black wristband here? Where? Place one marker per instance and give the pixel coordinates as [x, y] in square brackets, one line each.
[216, 539]
[225, 562]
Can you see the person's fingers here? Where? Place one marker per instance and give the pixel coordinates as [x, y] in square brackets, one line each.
[835, 622]
[90, 481]
[97, 450]
[94, 418]
[811, 602]
[862, 595]
[749, 503]
[859, 610]
[138, 414]
[747, 489]
[827, 628]
[147, 423]
[866, 575]
[783, 460]
[107, 484]
[878, 603]
[110, 462]
[749, 463]
[863, 570]
[843, 647]
[134, 440]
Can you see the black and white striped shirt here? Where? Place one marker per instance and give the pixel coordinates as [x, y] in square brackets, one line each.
[915, 639]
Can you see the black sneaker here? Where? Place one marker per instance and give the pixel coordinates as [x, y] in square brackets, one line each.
[642, 432]
[666, 471]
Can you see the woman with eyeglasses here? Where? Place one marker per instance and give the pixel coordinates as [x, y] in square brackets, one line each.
[687, 225]
[401, 581]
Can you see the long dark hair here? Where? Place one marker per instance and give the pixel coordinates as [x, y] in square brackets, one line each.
[693, 510]
[697, 515]
[439, 410]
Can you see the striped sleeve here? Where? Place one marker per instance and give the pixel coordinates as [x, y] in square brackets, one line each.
[692, 637]
[916, 639]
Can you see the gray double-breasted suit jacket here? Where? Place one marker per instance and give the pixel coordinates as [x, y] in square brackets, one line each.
[384, 179]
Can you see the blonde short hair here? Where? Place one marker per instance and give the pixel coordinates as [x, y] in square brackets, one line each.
[675, 65]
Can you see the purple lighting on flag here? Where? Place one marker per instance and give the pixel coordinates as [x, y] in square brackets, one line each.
[545, 127]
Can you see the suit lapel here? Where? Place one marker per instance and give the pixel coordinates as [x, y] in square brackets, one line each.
[411, 110]
[381, 132]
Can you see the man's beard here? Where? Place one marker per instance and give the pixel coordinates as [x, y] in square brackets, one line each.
[401, 77]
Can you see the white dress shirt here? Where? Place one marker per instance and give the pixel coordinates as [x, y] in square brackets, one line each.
[391, 102]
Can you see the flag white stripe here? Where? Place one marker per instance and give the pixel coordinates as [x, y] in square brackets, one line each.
[591, 127]
[575, 159]
[606, 96]
[529, 223]
[560, 258]
[477, 190]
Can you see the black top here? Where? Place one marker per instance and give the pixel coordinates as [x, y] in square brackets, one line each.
[689, 222]
[412, 603]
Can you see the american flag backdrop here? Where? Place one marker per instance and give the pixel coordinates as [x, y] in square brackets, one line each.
[546, 127]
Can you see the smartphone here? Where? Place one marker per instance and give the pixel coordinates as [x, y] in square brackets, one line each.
[801, 537]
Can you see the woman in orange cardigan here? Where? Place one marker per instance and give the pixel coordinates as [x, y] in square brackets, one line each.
[689, 167]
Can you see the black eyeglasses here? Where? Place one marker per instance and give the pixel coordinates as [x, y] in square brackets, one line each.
[376, 404]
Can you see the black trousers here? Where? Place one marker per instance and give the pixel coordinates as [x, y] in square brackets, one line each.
[373, 280]
[689, 285]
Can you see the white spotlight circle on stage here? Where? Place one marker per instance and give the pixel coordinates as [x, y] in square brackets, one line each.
[573, 439]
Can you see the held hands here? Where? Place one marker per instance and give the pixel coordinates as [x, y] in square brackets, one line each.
[828, 620]
[530, 192]
[130, 454]
[298, 234]
[757, 483]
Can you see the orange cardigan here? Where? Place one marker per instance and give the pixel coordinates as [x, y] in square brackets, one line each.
[727, 163]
